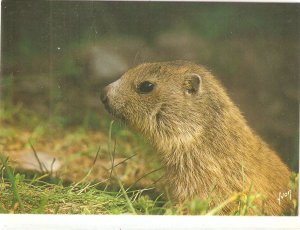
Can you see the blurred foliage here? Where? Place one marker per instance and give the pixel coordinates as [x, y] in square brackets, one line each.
[40, 40]
[49, 28]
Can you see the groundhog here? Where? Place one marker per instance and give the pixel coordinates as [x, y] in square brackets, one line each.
[206, 145]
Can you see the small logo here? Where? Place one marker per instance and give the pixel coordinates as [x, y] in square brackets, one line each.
[283, 195]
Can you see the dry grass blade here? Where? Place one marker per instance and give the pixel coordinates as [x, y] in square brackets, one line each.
[123, 161]
[147, 174]
[223, 204]
[38, 159]
[90, 170]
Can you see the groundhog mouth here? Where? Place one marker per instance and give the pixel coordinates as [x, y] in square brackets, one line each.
[115, 114]
[108, 108]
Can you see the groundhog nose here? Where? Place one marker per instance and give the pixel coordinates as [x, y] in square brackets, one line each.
[103, 96]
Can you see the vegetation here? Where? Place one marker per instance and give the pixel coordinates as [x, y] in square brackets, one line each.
[44, 192]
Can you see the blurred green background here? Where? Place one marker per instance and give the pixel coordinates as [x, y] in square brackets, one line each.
[56, 56]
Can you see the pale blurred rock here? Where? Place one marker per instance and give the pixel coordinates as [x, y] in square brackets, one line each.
[106, 63]
[108, 59]
[41, 162]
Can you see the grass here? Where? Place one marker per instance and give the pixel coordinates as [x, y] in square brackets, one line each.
[85, 192]
[20, 194]
[38, 194]
[81, 188]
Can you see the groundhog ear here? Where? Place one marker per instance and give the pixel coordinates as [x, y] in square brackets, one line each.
[192, 83]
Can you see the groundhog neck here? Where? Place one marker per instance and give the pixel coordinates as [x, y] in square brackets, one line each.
[220, 150]
[227, 138]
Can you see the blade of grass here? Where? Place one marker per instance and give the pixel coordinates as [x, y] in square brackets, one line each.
[109, 151]
[129, 203]
[38, 159]
[246, 206]
[126, 196]
[123, 161]
[51, 167]
[223, 204]
[36, 179]
[153, 171]
[90, 170]
[113, 161]
[11, 178]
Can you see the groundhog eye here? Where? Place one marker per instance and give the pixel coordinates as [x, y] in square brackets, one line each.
[145, 87]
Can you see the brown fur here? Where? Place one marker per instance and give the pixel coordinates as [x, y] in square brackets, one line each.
[202, 136]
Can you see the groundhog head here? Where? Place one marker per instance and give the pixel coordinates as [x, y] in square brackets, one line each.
[163, 101]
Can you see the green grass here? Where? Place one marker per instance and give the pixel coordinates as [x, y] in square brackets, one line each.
[44, 195]
[20, 194]
[31, 192]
